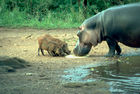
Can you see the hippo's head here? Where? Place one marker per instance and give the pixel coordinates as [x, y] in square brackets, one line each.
[89, 35]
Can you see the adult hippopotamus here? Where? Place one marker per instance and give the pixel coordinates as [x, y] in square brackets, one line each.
[116, 24]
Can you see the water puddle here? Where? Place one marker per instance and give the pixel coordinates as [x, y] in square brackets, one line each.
[123, 76]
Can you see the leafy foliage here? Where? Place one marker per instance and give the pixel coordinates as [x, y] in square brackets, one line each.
[51, 13]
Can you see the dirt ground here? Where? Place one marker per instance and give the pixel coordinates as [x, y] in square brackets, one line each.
[44, 74]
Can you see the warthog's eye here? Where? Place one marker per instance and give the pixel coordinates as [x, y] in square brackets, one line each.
[64, 46]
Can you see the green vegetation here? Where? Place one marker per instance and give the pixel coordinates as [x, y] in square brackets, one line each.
[51, 13]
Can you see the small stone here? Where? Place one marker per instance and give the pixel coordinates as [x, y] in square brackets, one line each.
[28, 74]
[92, 69]
[73, 85]
[25, 50]
[42, 75]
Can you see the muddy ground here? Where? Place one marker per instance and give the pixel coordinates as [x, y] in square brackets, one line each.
[44, 74]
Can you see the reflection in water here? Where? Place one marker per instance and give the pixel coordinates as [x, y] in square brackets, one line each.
[77, 74]
[123, 77]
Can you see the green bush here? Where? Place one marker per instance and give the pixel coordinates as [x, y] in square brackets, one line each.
[51, 13]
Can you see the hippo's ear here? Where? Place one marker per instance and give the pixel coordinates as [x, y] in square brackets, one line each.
[79, 28]
[82, 27]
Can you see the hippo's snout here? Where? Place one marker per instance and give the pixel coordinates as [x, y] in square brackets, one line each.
[81, 50]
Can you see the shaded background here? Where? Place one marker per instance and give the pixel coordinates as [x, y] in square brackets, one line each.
[51, 13]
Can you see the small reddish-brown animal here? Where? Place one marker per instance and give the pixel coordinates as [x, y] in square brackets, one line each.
[53, 46]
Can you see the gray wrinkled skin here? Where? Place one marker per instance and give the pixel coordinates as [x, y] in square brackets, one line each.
[113, 25]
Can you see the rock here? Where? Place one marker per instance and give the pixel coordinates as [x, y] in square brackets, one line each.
[73, 85]
[4, 69]
[8, 64]
[28, 74]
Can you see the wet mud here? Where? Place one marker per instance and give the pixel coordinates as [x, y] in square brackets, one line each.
[92, 74]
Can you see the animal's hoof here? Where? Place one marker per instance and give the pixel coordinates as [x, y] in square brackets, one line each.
[109, 55]
[118, 53]
[112, 55]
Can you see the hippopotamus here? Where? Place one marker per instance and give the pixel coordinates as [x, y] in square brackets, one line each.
[113, 25]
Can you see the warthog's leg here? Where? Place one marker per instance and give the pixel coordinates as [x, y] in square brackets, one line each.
[50, 53]
[42, 52]
[38, 51]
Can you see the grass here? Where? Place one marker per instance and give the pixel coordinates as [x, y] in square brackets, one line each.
[18, 19]
[55, 13]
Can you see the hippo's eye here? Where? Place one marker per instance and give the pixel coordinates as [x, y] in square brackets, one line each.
[91, 26]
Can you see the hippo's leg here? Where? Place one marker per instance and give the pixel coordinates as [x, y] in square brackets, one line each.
[112, 46]
[42, 52]
[118, 49]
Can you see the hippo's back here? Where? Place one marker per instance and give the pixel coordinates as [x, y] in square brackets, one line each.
[123, 24]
